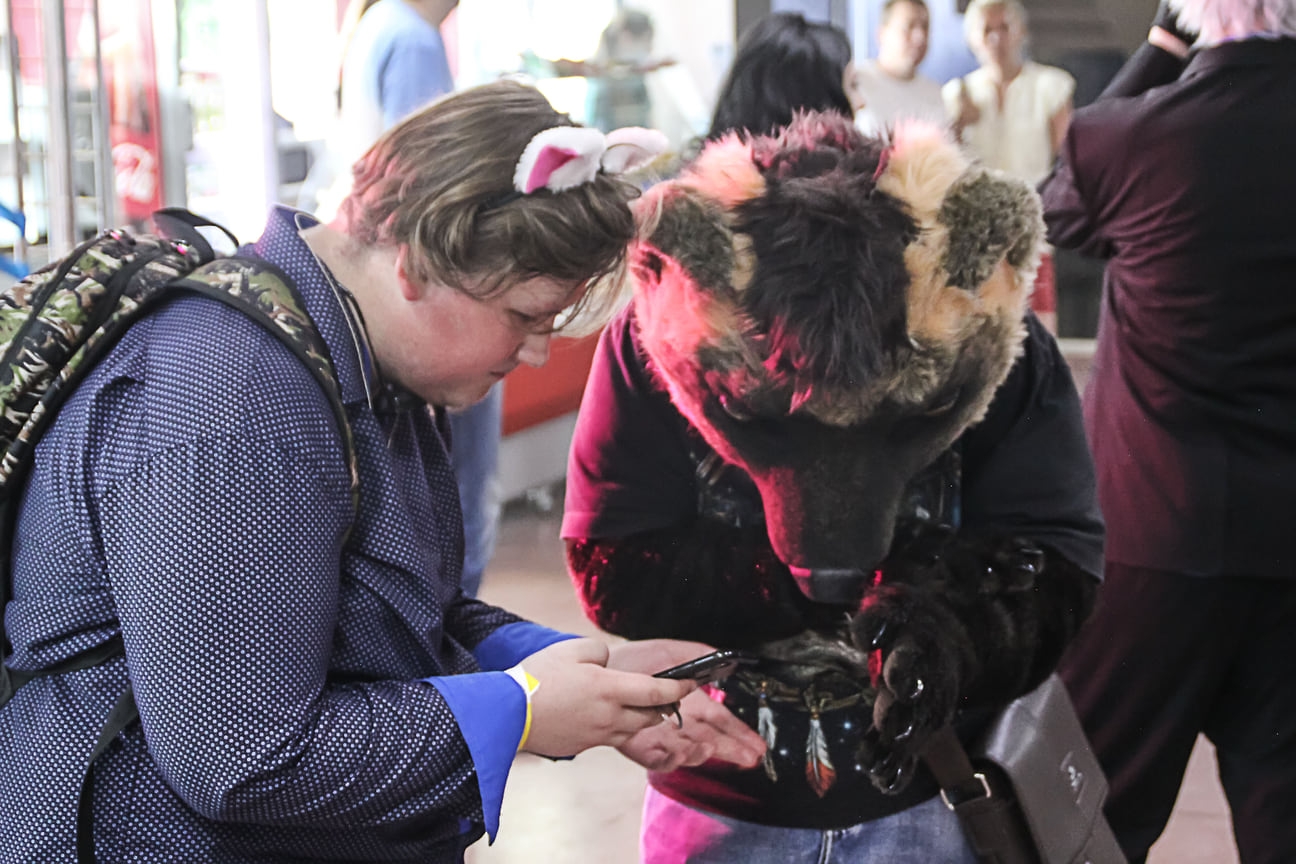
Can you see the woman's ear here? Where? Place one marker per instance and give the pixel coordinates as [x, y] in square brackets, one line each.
[411, 286]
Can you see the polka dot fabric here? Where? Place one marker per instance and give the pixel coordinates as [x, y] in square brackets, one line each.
[192, 495]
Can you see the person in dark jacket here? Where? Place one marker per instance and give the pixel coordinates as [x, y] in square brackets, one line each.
[798, 416]
[1181, 176]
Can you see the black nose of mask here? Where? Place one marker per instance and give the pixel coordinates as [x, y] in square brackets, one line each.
[831, 585]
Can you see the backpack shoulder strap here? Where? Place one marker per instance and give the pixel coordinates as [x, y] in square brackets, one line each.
[256, 288]
[267, 295]
[53, 326]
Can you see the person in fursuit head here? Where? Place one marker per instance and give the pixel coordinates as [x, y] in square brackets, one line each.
[829, 431]
[1179, 175]
[311, 683]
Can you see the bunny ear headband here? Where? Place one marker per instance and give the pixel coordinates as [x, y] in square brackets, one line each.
[562, 157]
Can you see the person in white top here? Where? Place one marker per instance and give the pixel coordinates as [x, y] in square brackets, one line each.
[1011, 113]
[889, 88]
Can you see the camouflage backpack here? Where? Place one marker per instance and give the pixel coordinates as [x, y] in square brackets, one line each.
[57, 322]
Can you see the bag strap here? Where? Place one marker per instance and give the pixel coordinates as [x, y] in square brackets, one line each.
[177, 223]
[266, 295]
[987, 811]
[122, 715]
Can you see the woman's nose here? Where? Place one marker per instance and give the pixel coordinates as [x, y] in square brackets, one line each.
[534, 350]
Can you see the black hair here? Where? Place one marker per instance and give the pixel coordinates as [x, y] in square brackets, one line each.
[783, 64]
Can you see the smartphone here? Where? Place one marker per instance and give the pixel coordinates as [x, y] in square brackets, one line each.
[709, 667]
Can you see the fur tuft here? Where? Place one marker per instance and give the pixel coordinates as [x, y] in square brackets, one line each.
[724, 173]
[827, 291]
[924, 163]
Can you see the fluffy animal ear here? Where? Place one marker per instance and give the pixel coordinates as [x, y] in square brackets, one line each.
[687, 226]
[991, 218]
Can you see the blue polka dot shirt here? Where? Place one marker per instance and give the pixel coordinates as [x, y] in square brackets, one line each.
[309, 677]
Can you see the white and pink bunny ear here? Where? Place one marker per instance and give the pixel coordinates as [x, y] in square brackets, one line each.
[632, 147]
[565, 156]
[559, 158]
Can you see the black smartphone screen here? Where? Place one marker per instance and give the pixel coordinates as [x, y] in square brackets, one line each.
[709, 667]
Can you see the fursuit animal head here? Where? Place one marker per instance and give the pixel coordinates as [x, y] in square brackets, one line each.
[831, 311]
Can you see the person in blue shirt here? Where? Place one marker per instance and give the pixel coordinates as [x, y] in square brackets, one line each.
[395, 63]
[312, 683]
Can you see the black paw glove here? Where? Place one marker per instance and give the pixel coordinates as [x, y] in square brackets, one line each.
[958, 621]
[920, 658]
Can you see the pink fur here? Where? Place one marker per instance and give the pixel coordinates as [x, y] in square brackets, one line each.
[725, 172]
[672, 311]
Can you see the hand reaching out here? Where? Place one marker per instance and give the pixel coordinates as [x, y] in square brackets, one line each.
[707, 730]
[1169, 33]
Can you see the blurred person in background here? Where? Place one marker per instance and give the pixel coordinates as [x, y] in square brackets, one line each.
[783, 64]
[889, 87]
[618, 92]
[1011, 112]
[1181, 177]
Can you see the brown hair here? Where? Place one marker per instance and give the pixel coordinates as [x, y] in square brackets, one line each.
[440, 181]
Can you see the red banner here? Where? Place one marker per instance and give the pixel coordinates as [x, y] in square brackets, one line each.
[130, 78]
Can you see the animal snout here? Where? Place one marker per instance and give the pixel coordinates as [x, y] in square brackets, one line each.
[831, 584]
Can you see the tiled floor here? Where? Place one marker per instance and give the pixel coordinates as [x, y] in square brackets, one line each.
[586, 811]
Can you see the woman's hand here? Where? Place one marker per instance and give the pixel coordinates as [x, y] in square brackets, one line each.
[1168, 34]
[706, 730]
[580, 704]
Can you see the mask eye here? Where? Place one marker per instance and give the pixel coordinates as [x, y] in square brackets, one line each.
[735, 408]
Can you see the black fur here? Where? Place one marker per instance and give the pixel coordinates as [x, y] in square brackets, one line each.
[830, 280]
[977, 621]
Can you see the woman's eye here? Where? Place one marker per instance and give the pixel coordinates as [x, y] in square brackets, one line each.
[534, 323]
